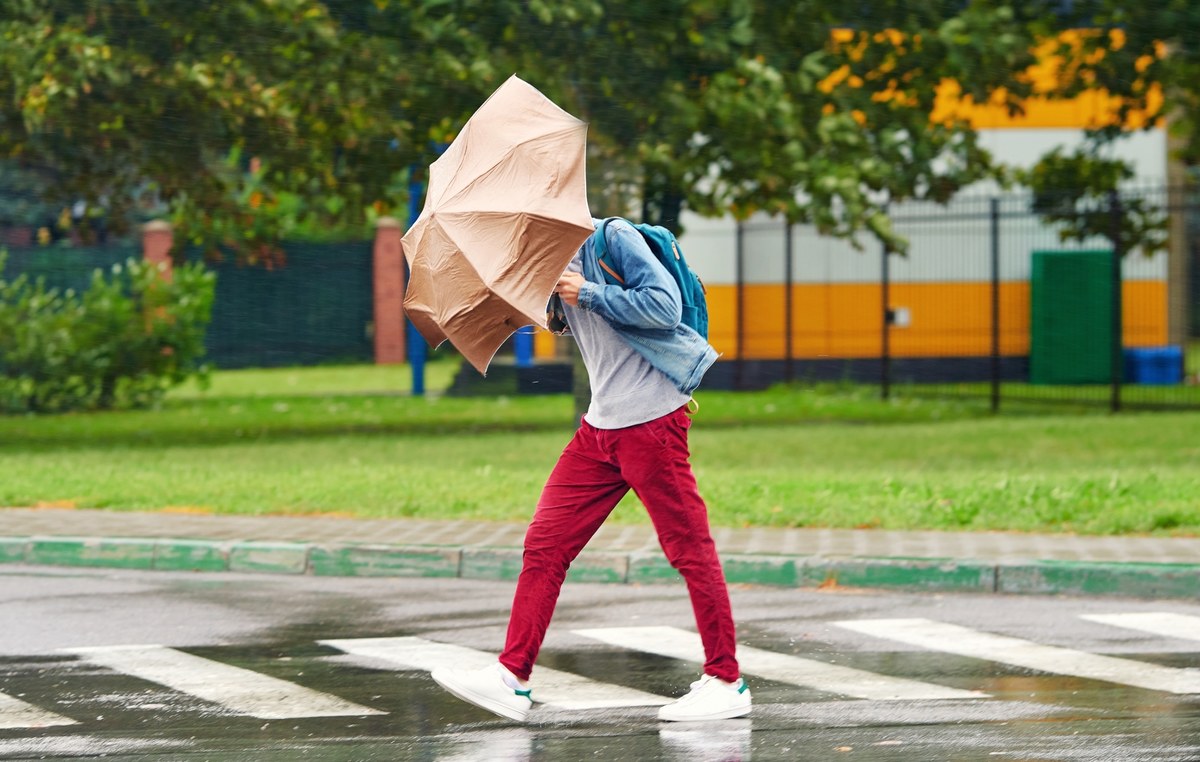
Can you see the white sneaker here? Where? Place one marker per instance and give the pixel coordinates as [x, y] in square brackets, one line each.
[709, 699]
[486, 688]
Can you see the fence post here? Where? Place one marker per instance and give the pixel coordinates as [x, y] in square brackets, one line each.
[995, 234]
[885, 351]
[789, 279]
[157, 241]
[739, 369]
[388, 264]
[1116, 354]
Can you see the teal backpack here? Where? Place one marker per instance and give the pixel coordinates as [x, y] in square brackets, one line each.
[666, 248]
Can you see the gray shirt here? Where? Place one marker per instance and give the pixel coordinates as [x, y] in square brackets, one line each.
[626, 389]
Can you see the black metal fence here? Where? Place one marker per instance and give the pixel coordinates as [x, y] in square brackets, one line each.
[1085, 301]
[1008, 297]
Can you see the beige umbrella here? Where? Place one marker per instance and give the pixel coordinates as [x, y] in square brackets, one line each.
[505, 211]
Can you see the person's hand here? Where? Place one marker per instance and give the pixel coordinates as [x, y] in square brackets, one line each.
[568, 287]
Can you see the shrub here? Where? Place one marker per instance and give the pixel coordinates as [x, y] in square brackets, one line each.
[123, 342]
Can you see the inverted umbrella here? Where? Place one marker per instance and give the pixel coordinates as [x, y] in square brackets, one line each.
[505, 211]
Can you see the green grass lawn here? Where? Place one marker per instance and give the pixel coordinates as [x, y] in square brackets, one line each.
[351, 441]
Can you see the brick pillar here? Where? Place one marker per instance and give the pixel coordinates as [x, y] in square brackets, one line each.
[389, 293]
[156, 245]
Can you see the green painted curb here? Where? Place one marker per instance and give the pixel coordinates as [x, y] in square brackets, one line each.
[651, 568]
[383, 561]
[13, 549]
[191, 555]
[599, 566]
[505, 563]
[785, 571]
[491, 563]
[906, 573]
[1138, 580]
[80, 551]
[269, 557]
[779, 571]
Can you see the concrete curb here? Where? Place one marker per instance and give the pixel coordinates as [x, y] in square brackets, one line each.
[1136, 580]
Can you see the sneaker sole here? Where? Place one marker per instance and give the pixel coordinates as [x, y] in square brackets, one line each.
[482, 702]
[728, 714]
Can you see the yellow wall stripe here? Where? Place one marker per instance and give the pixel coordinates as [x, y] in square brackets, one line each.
[842, 320]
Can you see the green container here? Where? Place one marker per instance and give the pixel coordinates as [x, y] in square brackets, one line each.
[1071, 317]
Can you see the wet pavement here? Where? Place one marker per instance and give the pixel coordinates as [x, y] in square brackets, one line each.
[59, 623]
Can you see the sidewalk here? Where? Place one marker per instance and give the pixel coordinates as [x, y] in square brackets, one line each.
[1147, 567]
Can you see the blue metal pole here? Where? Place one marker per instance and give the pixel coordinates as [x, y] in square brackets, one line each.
[418, 350]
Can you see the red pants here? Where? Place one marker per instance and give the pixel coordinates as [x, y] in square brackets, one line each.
[594, 472]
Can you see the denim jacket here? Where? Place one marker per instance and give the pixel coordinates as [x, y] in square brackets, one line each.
[645, 311]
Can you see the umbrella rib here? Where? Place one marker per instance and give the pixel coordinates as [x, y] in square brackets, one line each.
[471, 264]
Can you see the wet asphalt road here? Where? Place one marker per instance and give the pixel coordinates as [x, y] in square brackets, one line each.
[275, 627]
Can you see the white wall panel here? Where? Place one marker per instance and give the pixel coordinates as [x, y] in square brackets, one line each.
[710, 247]
[951, 243]
[1147, 151]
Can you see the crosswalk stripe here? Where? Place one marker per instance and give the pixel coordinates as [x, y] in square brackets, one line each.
[1157, 623]
[950, 638]
[15, 713]
[560, 690]
[785, 668]
[240, 690]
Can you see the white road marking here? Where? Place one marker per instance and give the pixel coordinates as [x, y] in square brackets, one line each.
[784, 668]
[950, 638]
[560, 690]
[240, 690]
[15, 713]
[1158, 623]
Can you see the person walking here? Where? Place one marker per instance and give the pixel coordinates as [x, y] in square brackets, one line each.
[643, 365]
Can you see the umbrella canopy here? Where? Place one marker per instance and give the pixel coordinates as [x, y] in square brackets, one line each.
[505, 211]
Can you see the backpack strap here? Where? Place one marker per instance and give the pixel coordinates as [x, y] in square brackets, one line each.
[602, 251]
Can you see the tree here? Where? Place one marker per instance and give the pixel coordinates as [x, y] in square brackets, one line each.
[247, 118]
[816, 110]
[829, 125]
[1145, 57]
[1080, 193]
[125, 103]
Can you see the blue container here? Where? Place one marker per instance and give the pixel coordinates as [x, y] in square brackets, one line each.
[523, 347]
[1154, 365]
